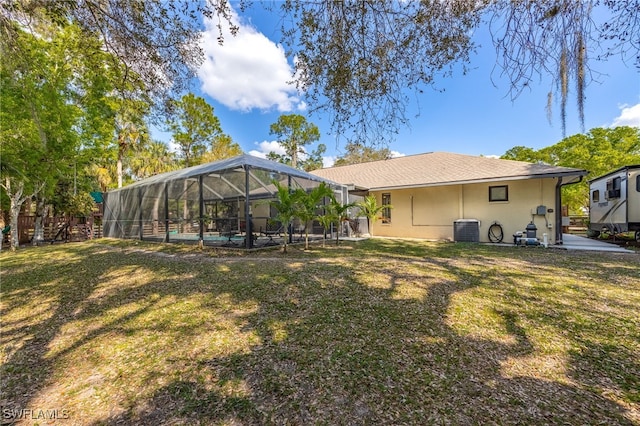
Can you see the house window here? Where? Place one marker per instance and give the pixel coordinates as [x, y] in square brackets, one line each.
[386, 213]
[595, 196]
[499, 193]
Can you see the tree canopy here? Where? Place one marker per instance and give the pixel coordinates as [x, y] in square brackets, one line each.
[294, 132]
[193, 125]
[359, 153]
[599, 151]
[154, 43]
[360, 60]
[53, 106]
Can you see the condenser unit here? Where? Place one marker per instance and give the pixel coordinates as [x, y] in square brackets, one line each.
[466, 231]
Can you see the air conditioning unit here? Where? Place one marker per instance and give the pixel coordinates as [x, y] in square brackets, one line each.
[466, 230]
[613, 193]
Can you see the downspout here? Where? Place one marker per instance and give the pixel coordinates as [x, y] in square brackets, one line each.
[559, 211]
[559, 185]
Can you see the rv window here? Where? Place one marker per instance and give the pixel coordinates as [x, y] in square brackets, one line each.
[613, 187]
[499, 193]
[386, 212]
[638, 183]
[595, 197]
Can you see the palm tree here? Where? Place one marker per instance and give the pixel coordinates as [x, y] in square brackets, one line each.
[285, 205]
[129, 134]
[340, 213]
[371, 210]
[307, 204]
[131, 130]
[325, 221]
[152, 158]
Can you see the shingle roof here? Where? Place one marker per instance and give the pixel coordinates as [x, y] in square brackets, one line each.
[439, 168]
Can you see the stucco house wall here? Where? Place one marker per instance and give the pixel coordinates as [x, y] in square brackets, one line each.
[430, 191]
[429, 212]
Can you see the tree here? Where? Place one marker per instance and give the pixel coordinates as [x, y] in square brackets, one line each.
[599, 151]
[222, 147]
[131, 131]
[370, 209]
[334, 213]
[307, 203]
[46, 93]
[294, 132]
[360, 60]
[325, 220]
[152, 158]
[194, 125]
[557, 39]
[156, 43]
[355, 59]
[340, 213]
[285, 205]
[314, 160]
[523, 153]
[359, 153]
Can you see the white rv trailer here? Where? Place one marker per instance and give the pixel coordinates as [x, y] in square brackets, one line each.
[614, 205]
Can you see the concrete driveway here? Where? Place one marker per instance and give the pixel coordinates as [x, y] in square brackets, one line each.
[576, 242]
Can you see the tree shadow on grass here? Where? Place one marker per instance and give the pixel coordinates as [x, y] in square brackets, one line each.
[358, 355]
[329, 347]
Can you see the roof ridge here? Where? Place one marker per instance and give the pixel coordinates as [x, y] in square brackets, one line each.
[376, 161]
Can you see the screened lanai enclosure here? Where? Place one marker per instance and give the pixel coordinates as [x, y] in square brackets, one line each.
[224, 203]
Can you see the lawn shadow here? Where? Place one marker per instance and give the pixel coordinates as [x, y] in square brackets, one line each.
[358, 355]
[330, 346]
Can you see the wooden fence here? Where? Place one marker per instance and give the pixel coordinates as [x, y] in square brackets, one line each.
[59, 228]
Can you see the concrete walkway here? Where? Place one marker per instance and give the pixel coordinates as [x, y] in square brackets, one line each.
[576, 242]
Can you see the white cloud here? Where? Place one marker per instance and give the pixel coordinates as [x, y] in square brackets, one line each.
[328, 161]
[257, 153]
[629, 116]
[396, 154]
[266, 147]
[249, 71]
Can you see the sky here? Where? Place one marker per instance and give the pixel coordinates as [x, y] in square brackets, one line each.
[245, 80]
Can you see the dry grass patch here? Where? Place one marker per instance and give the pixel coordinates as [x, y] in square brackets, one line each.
[378, 332]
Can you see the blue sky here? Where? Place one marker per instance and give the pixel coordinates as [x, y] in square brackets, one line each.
[246, 82]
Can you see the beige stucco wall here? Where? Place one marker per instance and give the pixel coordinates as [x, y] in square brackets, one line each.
[430, 212]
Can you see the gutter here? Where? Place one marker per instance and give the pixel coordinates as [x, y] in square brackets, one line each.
[580, 173]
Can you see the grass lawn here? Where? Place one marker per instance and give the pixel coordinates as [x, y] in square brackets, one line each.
[375, 332]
